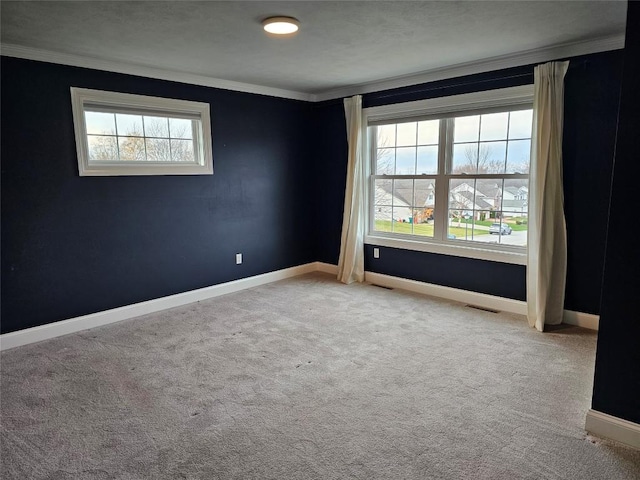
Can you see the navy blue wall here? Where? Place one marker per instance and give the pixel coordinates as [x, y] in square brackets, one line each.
[330, 155]
[72, 246]
[591, 106]
[616, 389]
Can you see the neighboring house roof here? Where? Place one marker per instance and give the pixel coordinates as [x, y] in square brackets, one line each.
[480, 198]
[405, 195]
[467, 199]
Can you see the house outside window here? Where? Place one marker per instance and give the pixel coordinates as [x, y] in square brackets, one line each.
[451, 175]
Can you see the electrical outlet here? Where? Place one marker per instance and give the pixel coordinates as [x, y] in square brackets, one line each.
[238, 258]
[376, 253]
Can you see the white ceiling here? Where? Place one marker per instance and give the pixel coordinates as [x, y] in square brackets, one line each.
[341, 46]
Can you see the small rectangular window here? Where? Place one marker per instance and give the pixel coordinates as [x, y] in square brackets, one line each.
[125, 134]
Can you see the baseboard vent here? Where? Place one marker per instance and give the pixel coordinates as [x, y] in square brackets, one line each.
[382, 286]
[484, 309]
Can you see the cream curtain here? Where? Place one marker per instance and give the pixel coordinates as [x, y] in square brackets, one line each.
[547, 236]
[351, 260]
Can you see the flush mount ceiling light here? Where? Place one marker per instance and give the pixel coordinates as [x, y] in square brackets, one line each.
[280, 25]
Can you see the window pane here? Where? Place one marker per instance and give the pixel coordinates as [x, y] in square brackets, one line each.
[182, 151]
[383, 217]
[385, 161]
[158, 150]
[386, 136]
[491, 157]
[466, 129]
[99, 123]
[179, 128]
[131, 148]
[402, 220]
[515, 197]
[494, 126]
[406, 161]
[520, 124]
[424, 195]
[465, 158]
[427, 160]
[156, 127]
[428, 132]
[402, 193]
[102, 148]
[488, 194]
[518, 154]
[383, 193]
[424, 204]
[461, 196]
[422, 224]
[406, 134]
[129, 125]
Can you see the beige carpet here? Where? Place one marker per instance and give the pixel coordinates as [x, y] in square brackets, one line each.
[307, 379]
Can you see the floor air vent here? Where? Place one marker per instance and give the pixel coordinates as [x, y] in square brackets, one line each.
[491, 310]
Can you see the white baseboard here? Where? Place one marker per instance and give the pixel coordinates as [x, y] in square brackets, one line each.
[327, 268]
[579, 319]
[483, 300]
[464, 296]
[72, 325]
[605, 425]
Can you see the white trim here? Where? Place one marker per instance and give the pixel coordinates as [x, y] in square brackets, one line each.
[82, 99]
[477, 252]
[580, 319]
[614, 428]
[585, 320]
[486, 99]
[503, 98]
[77, 324]
[17, 51]
[529, 57]
[72, 325]
[327, 268]
[463, 296]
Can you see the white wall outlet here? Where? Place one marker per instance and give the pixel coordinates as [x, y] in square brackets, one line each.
[238, 258]
[376, 253]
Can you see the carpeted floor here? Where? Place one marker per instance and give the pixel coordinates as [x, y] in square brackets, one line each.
[307, 379]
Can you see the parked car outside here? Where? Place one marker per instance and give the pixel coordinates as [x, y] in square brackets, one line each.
[500, 228]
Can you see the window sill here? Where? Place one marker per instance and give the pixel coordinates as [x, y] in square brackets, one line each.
[518, 258]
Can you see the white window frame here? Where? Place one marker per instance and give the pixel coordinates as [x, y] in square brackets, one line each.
[84, 98]
[439, 108]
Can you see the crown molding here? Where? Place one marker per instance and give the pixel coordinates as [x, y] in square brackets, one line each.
[486, 65]
[28, 53]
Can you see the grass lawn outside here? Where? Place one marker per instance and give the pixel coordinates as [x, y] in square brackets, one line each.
[426, 229]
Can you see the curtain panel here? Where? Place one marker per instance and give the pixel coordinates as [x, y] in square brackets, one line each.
[351, 260]
[547, 234]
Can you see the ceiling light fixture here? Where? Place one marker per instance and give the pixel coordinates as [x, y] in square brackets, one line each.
[280, 25]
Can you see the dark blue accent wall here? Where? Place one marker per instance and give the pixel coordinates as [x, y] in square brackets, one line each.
[73, 246]
[616, 389]
[591, 108]
[330, 154]
[76, 245]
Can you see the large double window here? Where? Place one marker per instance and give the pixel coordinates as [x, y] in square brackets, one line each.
[451, 175]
